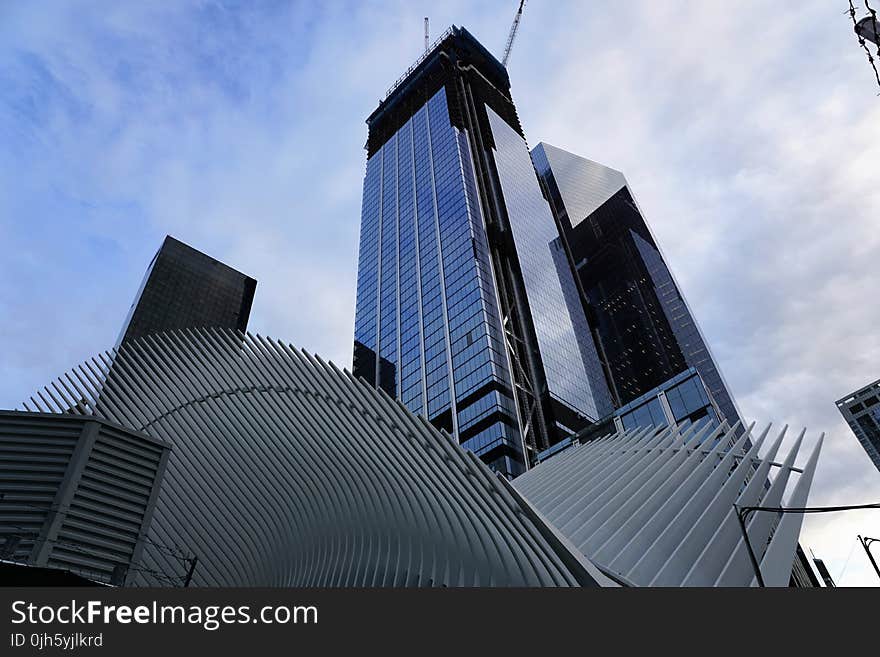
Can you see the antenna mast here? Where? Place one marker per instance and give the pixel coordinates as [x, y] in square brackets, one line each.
[426, 34]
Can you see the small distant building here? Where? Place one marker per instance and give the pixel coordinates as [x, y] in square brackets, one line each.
[823, 571]
[861, 410]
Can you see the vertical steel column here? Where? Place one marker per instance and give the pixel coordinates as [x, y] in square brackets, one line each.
[420, 304]
[66, 490]
[453, 409]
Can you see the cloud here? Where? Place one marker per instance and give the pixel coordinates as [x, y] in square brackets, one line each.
[750, 136]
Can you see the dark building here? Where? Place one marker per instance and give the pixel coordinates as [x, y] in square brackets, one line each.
[184, 288]
[467, 310]
[368, 365]
[643, 330]
[861, 410]
[823, 571]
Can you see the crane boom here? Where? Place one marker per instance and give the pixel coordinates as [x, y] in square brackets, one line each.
[512, 35]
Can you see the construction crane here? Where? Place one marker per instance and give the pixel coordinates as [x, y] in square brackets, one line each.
[512, 34]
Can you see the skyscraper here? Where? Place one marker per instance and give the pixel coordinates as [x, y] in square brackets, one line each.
[184, 288]
[643, 329]
[467, 310]
[861, 410]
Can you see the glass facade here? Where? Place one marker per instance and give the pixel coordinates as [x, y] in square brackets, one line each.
[571, 366]
[184, 288]
[683, 400]
[687, 335]
[869, 423]
[467, 310]
[643, 328]
[861, 410]
[427, 326]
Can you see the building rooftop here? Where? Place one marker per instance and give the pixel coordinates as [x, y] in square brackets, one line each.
[455, 49]
[851, 397]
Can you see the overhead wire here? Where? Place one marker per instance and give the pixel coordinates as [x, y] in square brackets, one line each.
[846, 563]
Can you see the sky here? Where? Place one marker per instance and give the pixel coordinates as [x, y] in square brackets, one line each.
[748, 131]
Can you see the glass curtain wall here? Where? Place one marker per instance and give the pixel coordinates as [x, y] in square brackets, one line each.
[427, 326]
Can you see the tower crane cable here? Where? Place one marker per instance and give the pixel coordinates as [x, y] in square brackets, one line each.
[846, 564]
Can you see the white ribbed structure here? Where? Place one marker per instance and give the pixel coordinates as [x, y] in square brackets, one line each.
[658, 510]
[286, 471]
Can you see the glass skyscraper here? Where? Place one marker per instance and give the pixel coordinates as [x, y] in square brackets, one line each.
[467, 310]
[644, 331]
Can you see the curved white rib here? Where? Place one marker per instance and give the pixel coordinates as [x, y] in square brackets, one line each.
[286, 471]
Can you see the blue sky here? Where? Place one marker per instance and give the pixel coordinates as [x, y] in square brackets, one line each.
[749, 131]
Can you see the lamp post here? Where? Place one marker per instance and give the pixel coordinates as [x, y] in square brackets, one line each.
[867, 29]
[866, 543]
[743, 512]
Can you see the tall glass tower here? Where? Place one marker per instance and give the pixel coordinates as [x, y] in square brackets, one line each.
[467, 309]
[642, 326]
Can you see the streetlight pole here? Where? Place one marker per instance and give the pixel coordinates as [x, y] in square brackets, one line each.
[743, 512]
[865, 29]
[866, 543]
